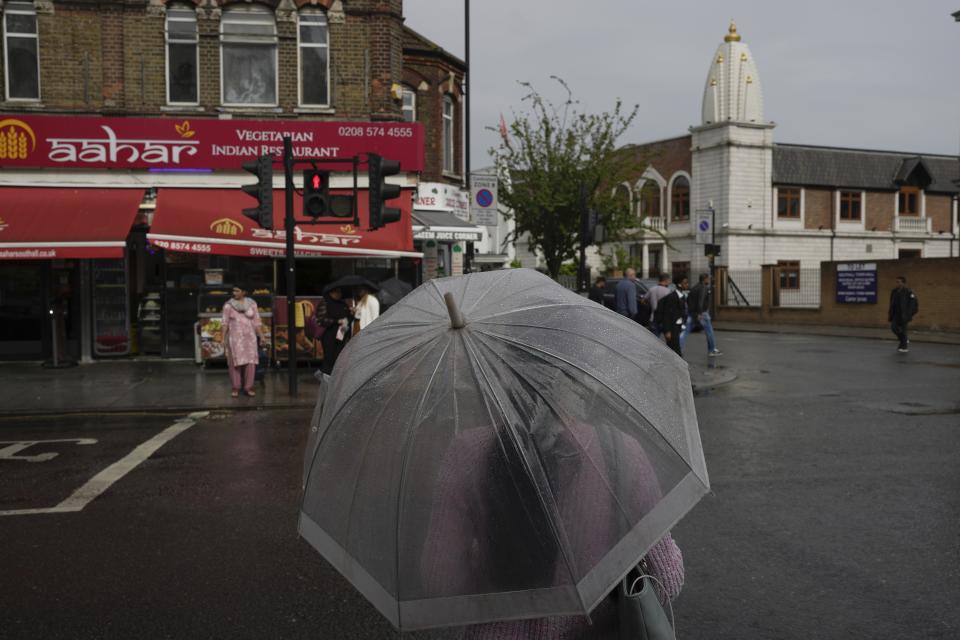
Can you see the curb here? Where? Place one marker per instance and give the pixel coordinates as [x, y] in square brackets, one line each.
[707, 381]
[99, 411]
[837, 332]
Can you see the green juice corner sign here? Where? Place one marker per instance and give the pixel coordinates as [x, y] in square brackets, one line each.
[457, 248]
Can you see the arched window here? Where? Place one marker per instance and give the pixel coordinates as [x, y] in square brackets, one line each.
[650, 199]
[680, 199]
[21, 51]
[448, 135]
[409, 104]
[314, 58]
[181, 34]
[248, 56]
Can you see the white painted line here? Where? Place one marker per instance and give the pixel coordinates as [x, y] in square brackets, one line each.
[16, 446]
[103, 480]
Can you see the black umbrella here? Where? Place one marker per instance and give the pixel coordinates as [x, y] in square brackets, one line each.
[352, 280]
[392, 290]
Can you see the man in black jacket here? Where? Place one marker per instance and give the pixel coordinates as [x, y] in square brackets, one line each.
[670, 314]
[903, 306]
[698, 310]
[598, 289]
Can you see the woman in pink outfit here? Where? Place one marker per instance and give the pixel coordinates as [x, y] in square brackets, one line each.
[241, 325]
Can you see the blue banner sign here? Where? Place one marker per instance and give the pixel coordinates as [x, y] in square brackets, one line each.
[857, 283]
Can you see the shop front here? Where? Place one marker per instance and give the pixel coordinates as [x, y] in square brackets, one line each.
[441, 230]
[123, 237]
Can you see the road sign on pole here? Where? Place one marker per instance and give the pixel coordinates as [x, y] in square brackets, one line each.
[483, 200]
[704, 221]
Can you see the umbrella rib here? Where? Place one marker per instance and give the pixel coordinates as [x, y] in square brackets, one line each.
[346, 401]
[536, 350]
[558, 330]
[417, 416]
[363, 458]
[560, 538]
[596, 467]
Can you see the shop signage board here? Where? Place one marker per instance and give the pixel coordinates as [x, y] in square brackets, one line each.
[210, 221]
[857, 283]
[456, 260]
[194, 143]
[468, 235]
[483, 200]
[440, 196]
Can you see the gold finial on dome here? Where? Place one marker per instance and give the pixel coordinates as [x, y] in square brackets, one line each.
[732, 35]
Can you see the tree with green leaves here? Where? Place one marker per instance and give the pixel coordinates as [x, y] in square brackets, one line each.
[553, 161]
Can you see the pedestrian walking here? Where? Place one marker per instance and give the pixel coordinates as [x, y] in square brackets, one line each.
[626, 295]
[333, 319]
[241, 330]
[652, 299]
[670, 314]
[903, 306]
[598, 289]
[366, 310]
[698, 310]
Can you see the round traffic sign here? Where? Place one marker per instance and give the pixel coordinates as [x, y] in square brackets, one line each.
[704, 225]
[484, 198]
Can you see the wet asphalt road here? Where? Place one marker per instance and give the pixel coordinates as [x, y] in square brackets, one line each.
[835, 512]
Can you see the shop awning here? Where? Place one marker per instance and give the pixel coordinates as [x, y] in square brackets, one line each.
[210, 221]
[440, 225]
[57, 223]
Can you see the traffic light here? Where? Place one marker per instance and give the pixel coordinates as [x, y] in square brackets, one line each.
[379, 168]
[316, 193]
[262, 214]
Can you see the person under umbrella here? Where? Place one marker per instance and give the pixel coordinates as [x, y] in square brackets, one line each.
[333, 317]
[366, 310]
[585, 455]
[241, 326]
[480, 490]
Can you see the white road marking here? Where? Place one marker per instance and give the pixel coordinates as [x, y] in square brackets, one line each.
[16, 446]
[103, 480]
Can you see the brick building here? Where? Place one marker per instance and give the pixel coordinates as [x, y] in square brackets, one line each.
[782, 204]
[124, 125]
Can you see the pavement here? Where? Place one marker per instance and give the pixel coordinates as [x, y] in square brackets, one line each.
[118, 386]
[180, 386]
[916, 335]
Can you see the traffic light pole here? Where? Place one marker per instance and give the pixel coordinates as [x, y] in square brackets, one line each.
[289, 226]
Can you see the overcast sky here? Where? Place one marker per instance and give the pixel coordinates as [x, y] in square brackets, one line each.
[877, 74]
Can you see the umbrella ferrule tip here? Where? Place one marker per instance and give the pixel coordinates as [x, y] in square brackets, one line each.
[457, 320]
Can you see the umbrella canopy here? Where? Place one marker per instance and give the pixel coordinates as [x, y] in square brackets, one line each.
[512, 455]
[350, 281]
[392, 290]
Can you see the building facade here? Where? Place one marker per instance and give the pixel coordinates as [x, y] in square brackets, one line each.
[124, 125]
[773, 203]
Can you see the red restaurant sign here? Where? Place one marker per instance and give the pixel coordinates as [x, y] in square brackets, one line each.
[199, 143]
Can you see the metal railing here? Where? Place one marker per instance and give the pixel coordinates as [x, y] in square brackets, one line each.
[796, 288]
[742, 287]
[567, 281]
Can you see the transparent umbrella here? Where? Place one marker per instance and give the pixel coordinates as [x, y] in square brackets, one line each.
[497, 447]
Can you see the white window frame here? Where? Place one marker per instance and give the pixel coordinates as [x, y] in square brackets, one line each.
[166, 51]
[409, 91]
[670, 184]
[312, 11]
[791, 223]
[449, 142]
[19, 8]
[264, 11]
[850, 225]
